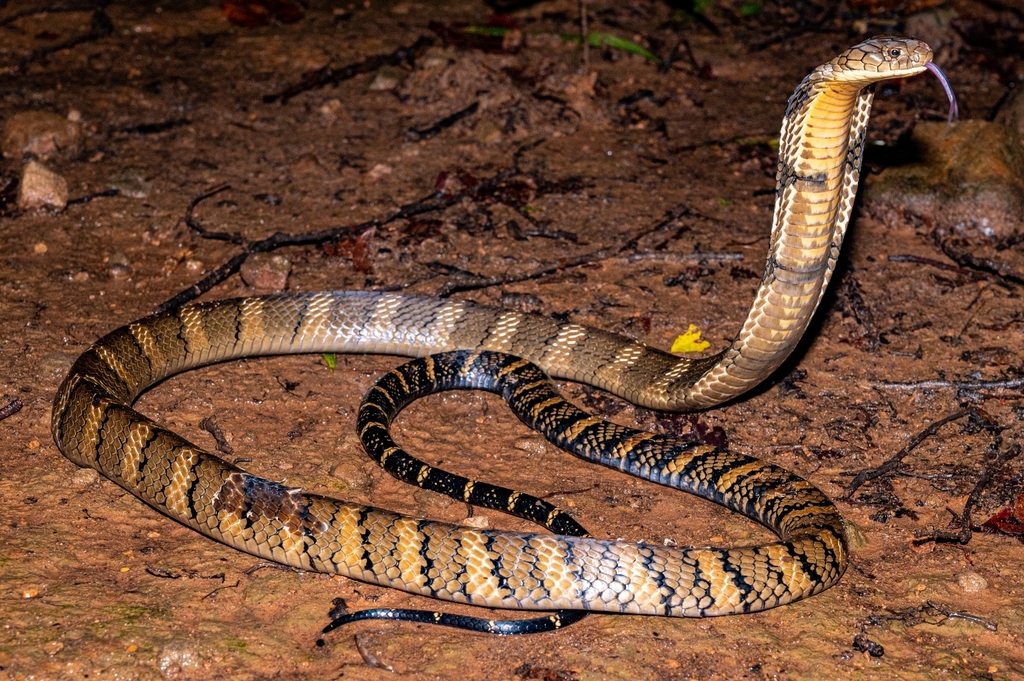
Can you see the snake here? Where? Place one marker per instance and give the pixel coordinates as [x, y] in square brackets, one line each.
[461, 344]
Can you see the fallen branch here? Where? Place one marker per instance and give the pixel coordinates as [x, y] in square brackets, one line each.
[100, 26]
[329, 76]
[964, 258]
[1008, 384]
[418, 134]
[938, 264]
[198, 227]
[964, 534]
[894, 462]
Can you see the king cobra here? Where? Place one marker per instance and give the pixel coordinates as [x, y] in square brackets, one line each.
[821, 148]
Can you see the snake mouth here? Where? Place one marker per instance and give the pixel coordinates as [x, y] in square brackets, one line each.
[954, 110]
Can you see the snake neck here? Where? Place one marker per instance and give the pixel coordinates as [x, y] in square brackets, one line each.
[820, 154]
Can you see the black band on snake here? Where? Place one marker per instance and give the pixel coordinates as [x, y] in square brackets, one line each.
[821, 147]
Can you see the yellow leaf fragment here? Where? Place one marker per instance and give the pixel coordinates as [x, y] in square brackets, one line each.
[690, 341]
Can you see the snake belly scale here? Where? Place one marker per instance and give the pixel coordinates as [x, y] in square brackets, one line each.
[820, 154]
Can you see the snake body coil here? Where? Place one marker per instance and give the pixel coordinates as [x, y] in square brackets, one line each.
[821, 147]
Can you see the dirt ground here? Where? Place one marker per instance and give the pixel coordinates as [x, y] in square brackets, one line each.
[93, 584]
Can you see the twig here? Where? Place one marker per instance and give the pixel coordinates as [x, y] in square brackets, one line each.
[198, 227]
[221, 588]
[475, 283]
[153, 128]
[89, 197]
[954, 614]
[871, 474]
[1008, 384]
[213, 429]
[100, 26]
[329, 76]
[1002, 271]
[434, 202]
[10, 409]
[972, 274]
[965, 533]
[418, 134]
[48, 9]
[191, 574]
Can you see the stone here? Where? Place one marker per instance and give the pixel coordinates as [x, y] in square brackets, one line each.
[130, 181]
[1011, 113]
[266, 271]
[968, 179]
[387, 78]
[971, 582]
[41, 135]
[41, 188]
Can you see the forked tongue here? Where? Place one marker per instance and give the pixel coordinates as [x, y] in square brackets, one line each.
[954, 112]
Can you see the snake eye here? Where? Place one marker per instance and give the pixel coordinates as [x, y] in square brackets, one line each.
[894, 53]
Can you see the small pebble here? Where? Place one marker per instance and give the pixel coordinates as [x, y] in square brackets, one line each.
[40, 248]
[533, 445]
[480, 522]
[118, 265]
[386, 78]
[53, 647]
[266, 271]
[130, 181]
[971, 582]
[41, 135]
[378, 171]
[355, 479]
[84, 477]
[332, 109]
[41, 188]
[30, 593]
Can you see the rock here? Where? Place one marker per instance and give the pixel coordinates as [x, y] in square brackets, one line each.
[1011, 113]
[41, 188]
[332, 109]
[971, 582]
[378, 171]
[85, 477]
[356, 480]
[130, 181]
[118, 265]
[266, 271]
[387, 78]
[41, 135]
[480, 522]
[968, 180]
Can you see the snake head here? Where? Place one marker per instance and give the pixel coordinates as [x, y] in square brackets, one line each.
[885, 57]
[881, 58]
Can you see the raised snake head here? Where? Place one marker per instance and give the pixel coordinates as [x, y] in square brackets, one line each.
[885, 57]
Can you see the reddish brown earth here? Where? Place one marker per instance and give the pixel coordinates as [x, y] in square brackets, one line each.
[93, 584]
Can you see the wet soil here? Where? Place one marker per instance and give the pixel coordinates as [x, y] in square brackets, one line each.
[93, 584]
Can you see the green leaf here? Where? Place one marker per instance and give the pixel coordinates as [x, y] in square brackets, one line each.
[608, 40]
[749, 9]
[496, 31]
[595, 39]
[331, 360]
